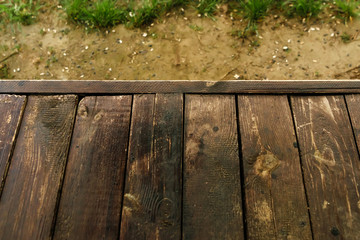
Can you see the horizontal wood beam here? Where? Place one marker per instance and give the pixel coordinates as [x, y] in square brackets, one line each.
[180, 86]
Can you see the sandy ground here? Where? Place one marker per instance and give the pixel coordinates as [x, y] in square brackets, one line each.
[183, 46]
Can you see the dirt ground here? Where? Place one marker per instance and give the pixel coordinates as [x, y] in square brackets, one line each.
[183, 46]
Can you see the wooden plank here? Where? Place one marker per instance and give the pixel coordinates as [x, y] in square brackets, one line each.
[91, 198]
[212, 207]
[178, 86]
[152, 200]
[276, 205]
[11, 110]
[331, 165]
[30, 193]
[353, 103]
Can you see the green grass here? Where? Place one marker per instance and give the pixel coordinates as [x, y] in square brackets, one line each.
[347, 9]
[345, 37]
[18, 11]
[254, 10]
[302, 8]
[101, 14]
[207, 7]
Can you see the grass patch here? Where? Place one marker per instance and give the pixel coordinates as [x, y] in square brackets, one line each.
[18, 12]
[302, 8]
[100, 14]
[207, 7]
[347, 9]
[345, 37]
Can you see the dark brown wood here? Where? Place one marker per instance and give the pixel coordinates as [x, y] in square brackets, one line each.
[30, 193]
[152, 200]
[276, 205]
[178, 86]
[91, 198]
[331, 165]
[212, 207]
[11, 110]
[353, 104]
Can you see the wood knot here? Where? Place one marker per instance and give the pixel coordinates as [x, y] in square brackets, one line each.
[266, 163]
[166, 211]
[83, 111]
[325, 157]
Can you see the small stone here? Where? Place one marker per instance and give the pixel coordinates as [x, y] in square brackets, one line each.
[113, 30]
[315, 61]
[42, 74]
[151, 49]
[82, 75]
[106, 49]
[110, 69]
[236, 76]
[144, 35]
[86, 47]
[18, 69]
[285, 48]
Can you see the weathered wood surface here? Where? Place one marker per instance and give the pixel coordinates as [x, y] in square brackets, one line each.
[30, 193]
[152, 200]
[178, 86]
[331, 165]
[212, 207]
[91, 198]
[353, 104]
[11, 110]
[275, 199]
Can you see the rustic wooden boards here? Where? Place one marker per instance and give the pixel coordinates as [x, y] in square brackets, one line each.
[152, 199]
[29, 197]
[212, 207]
[275, 199]
[331, 165]
[11, 110]
[93, 187]
[178, 86]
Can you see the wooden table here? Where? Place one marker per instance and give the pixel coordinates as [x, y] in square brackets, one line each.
[204, 160]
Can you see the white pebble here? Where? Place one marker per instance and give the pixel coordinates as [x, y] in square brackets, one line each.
[82, 75]
[42, 74]
[18, 69]
[144, 35]
[285, 48]
[151, 49]
[315, 61]
[14, 70]
[120, 41]
[106, 48]
[289, 41]
[64, 54]
[274, 56]
[86, 47]
[110, 69]
[236, 76]
[113, 30]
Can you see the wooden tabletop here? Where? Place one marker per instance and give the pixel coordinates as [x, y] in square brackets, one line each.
[180, 165]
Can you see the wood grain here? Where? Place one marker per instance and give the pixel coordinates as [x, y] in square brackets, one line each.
[276, 205]
[331, 165]
[30, 193]
[152, 200]
[11, 111]
[212, 207]
[90, 203]
[178, 86]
